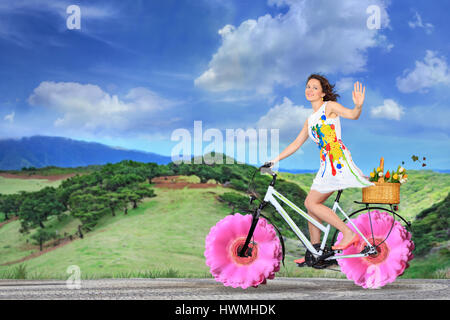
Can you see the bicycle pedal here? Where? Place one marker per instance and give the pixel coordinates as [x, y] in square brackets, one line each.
[324, 264]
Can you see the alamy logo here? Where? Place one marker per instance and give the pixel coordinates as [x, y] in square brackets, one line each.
[74, 19]
[257, 145]
[74, 281]
[374, 20]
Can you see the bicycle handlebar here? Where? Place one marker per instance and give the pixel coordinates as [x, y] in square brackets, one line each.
[266, 168]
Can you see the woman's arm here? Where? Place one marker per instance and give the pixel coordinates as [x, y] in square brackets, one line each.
[295, 145]
[358, 96]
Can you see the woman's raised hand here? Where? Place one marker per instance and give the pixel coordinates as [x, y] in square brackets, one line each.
[358, 94]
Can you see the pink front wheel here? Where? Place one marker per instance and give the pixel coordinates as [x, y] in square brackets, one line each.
[393, 254]
[226, 239]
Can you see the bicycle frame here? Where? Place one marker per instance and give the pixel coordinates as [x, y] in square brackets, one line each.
[271, 197]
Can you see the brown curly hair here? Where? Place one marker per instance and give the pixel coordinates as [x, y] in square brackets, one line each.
[327, 88]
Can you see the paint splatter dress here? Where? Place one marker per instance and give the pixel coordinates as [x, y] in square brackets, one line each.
[337, 170]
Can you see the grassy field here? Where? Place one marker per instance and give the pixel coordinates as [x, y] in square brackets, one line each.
[10, 186]
[164, 237]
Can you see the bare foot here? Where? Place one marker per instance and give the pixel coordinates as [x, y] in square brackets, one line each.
[347, 238]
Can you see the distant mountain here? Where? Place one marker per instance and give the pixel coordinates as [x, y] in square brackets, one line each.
[41, 151]
[441, 170]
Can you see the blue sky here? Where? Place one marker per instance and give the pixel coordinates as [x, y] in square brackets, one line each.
[136, 71]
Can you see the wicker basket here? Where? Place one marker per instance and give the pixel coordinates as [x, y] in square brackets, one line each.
[382, 192]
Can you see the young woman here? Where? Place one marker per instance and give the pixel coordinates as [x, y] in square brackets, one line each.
[337, 170]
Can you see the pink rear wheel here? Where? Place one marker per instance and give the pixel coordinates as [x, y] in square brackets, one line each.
[393, 255]
[224, 243]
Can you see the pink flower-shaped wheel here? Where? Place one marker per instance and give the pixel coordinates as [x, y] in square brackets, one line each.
[393, 254]
[226, 239]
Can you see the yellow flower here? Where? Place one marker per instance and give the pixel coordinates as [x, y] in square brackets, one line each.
[372, 174]
[378, 169]
[395, 176]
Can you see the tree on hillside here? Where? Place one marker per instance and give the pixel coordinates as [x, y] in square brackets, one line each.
[38, 206]
[10, 204]
[236, 202]
[134, 194]
[114, 201]
[165, 170]
[107, 169]
[27, 216]
[41, 236]
[122, 180]
[141, 192]
[88, 208]
[4, 205]
[151, 171]
[69, 186]
[1, 207]
[226, 174]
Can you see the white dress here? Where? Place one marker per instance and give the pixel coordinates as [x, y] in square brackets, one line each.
[337, 170]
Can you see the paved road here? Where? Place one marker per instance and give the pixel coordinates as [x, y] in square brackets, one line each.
[209, 289]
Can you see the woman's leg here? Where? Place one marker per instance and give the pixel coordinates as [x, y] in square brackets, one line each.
[314, 203]
[314, 232]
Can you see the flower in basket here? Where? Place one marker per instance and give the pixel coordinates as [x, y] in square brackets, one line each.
[375, 175]
[398, 176]
[402, 176]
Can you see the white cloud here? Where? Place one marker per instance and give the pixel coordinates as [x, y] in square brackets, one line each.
[419, 24]
[390, 110]
[9, 117]
[344, 84]
[285, 49]
[286, 117]
[433, 70]
[87, 107]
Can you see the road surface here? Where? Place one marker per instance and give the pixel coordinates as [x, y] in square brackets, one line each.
[209, 289]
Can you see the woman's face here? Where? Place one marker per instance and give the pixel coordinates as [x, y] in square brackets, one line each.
[313, 90]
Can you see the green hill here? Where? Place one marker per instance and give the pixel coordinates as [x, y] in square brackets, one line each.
[432, 227]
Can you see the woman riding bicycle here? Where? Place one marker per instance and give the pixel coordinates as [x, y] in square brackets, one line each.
[337, 170]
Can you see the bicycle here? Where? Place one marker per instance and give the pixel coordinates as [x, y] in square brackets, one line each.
[244, 250]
